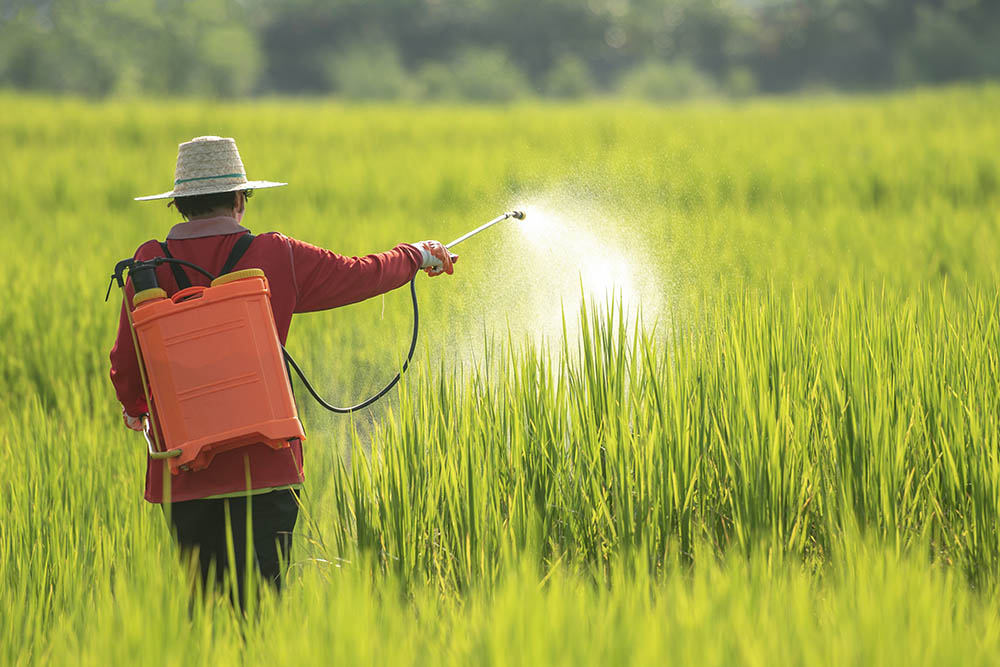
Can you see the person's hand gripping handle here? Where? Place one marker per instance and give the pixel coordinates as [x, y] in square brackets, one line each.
[436, 258]
[134, 423]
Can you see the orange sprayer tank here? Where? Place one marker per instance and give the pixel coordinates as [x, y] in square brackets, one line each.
[216, 372]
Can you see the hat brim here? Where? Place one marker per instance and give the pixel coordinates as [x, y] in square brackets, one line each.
[214, 189]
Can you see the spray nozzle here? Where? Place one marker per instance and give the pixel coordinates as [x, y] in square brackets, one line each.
[519, 215]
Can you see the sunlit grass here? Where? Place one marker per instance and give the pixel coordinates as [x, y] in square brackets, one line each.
[775, 443]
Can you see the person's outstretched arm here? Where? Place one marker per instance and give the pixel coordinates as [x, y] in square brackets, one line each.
[325, 279]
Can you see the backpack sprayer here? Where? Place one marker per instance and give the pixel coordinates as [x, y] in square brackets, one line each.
[213, 370]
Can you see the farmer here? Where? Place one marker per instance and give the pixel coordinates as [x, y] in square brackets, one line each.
[211, 191]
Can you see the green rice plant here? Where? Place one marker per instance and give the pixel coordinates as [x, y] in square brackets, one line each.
[775, 442]
[782, 425]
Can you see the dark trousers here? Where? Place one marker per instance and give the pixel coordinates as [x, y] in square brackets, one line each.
[200, 527]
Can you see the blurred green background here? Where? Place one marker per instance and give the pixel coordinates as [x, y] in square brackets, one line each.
[493, 50]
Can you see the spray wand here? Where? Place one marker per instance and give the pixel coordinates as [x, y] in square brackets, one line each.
[517, 215]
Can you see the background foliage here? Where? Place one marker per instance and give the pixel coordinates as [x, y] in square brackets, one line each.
[488, 50]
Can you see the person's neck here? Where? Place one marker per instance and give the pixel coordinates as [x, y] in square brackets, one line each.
[213, 214]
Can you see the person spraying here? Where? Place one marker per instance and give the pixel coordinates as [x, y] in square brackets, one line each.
[210, 191]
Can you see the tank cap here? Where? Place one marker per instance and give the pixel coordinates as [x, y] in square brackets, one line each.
[238, 275]
[148, 295]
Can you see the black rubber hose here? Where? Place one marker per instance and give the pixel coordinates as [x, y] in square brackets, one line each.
[171, 260]
[385, 390]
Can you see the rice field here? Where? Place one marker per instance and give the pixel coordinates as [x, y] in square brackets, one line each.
[728, 396]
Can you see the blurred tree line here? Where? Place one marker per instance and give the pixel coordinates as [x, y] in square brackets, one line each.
[492, 50]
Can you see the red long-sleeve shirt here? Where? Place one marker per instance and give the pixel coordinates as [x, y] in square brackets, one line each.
[302, 278]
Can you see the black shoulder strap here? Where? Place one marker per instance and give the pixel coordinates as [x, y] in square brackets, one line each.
[242, 243]
[182, 280]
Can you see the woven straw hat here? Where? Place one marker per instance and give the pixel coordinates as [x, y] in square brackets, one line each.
[206, 165]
